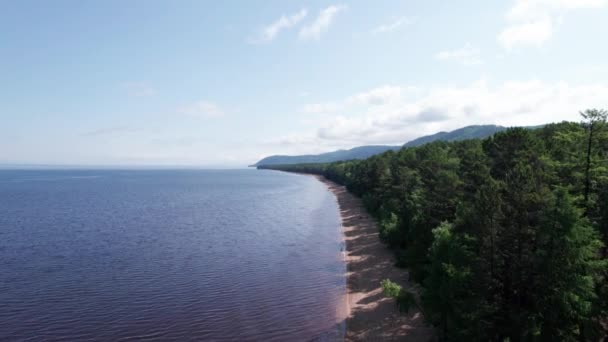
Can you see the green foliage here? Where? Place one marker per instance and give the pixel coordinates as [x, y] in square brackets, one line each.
[469, 132]
[567, 257]
[505, 234]
[390, 289]
[449, 297]
[389, 229]
[404, 299]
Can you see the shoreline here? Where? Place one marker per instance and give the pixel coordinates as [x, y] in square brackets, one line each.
[370, 315]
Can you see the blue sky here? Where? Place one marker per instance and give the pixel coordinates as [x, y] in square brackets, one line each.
[222, 84]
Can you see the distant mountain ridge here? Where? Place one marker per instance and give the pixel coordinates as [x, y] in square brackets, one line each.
[364, 152]
[468, 132]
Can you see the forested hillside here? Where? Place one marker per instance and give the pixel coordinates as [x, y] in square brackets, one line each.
[364, 152]
[468, 132]
[361, 152]
[505, 234]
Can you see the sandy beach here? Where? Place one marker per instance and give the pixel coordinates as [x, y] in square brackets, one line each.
[370, 315]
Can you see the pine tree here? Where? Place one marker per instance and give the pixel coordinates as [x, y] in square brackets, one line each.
[568, 268]
[595, 124]
[448, 298]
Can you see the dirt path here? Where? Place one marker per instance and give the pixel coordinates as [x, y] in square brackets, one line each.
[372, 316]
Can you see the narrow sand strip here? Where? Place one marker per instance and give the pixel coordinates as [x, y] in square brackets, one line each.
[372, 317]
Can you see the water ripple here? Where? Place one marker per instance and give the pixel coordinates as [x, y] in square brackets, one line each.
[168, 255]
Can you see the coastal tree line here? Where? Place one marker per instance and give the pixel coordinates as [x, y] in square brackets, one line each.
[507, 235]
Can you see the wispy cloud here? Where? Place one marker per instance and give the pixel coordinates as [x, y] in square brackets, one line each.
[322, 23]
[270, 32]
[109, 130]
[321, 108]
[138, 89]
[392, 26]
[374, 97]
[534, 32]
[202, 109]
[377, 96]
[466, 55]
[532, 22]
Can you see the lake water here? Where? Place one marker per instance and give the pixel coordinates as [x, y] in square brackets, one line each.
[169, 255]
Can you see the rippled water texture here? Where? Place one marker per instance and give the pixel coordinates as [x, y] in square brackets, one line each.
[168, 255]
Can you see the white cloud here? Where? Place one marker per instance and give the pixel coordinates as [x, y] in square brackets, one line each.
[411, 114]
[321, 23]
[202, 109]
[466, 55]
[532, 22]
[392, 26]
[377, 96]
[270, 32]
[373, 97]
[530, 33]
[321, 108]
[532, 9]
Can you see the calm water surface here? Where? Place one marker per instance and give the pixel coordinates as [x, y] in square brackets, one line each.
[168, 255]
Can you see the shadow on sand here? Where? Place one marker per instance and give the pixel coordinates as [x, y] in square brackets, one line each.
[372, 316]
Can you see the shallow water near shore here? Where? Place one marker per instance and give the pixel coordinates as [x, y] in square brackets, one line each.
[169, 255]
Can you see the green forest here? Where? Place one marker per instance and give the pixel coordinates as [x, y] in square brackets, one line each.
[506, 235]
